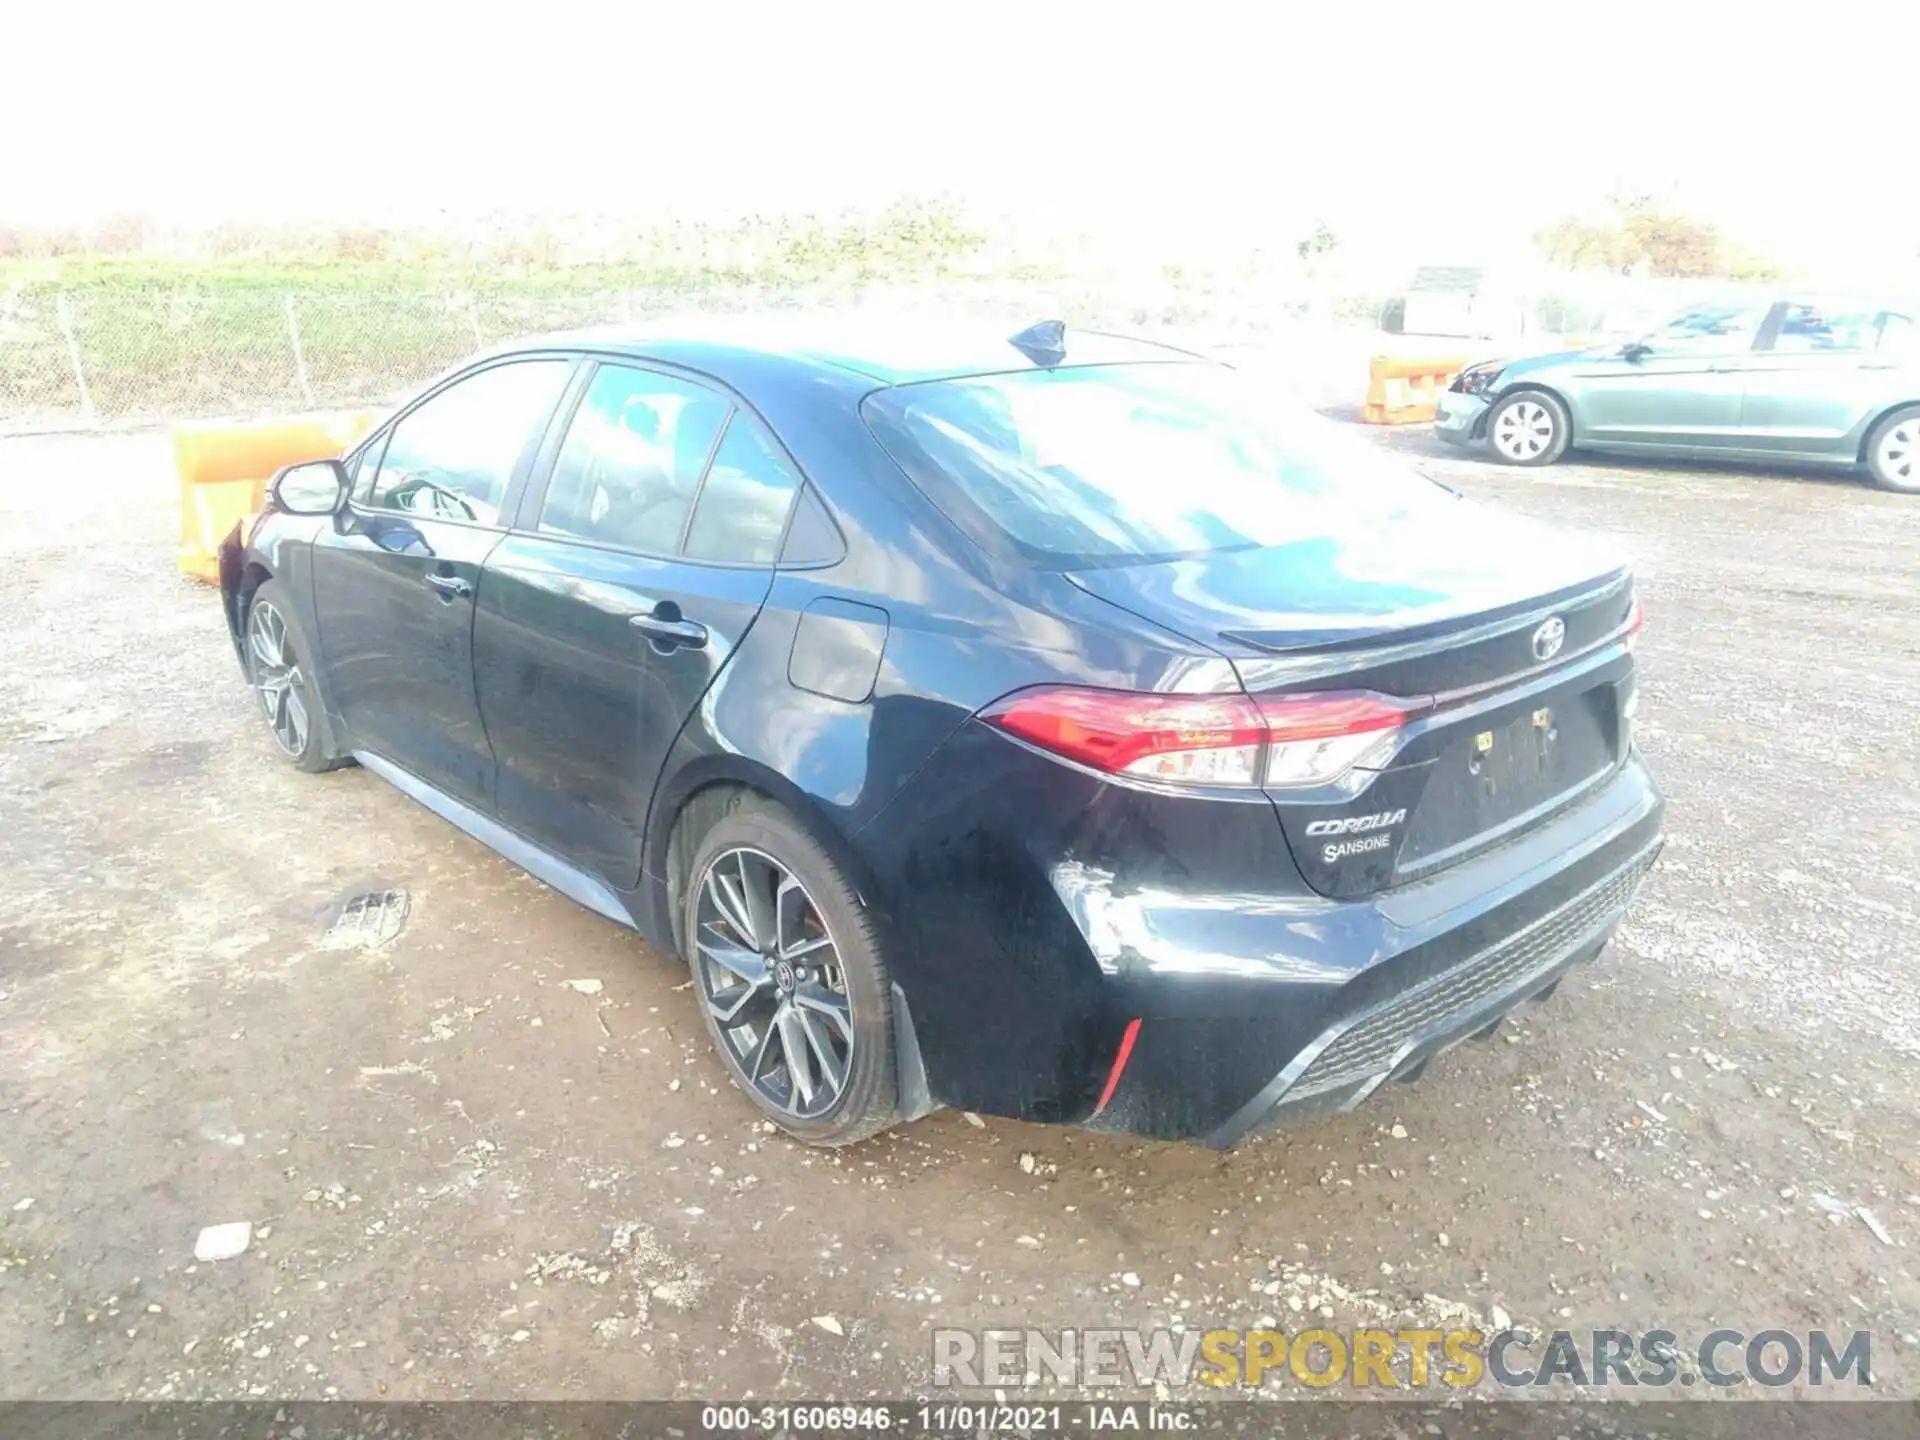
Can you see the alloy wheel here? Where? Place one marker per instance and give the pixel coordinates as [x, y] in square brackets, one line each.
[1900, 453]
[1523, 430]
[277, 679]
[770, 976]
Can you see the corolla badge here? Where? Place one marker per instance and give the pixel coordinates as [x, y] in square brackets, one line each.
[1549, 637]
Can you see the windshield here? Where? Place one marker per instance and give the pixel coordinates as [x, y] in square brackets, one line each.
[1120, 464]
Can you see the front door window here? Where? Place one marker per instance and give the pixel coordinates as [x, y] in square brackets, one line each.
[1716, 329]
[452, 457]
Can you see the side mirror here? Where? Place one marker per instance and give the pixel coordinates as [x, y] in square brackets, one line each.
[1635, 351]
[313, 487]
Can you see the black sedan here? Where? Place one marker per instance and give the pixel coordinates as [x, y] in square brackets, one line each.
[1051, 726]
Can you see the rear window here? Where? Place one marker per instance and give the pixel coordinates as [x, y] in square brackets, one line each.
[1122, 464]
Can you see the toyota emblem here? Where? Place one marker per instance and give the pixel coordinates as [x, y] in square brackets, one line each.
[1548, 639]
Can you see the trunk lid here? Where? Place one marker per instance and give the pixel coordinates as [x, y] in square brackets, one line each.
[1511, 635]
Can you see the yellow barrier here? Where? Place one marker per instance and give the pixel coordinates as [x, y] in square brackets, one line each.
[224, 470]
[1405, 389]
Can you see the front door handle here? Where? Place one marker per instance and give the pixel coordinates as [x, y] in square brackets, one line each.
[666, 629]
[451, 587]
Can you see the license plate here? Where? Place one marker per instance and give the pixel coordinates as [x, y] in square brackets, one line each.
[1495, 773]
[1519, 751]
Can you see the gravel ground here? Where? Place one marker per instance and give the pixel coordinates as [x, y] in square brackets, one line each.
[469, 1178]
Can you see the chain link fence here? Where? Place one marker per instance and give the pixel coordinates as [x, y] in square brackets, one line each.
[128, 354]
[125, 355]
[73, 360]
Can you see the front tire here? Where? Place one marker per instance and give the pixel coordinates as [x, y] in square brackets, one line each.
[280, 670]
[790, 978]
[1893, 452]
[1529, 428]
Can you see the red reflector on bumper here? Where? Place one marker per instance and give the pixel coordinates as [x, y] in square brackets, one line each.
[1120, 1057]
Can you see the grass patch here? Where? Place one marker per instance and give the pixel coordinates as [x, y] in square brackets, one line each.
[190, 335]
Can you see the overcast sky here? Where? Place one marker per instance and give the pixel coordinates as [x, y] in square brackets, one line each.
[1453, 129]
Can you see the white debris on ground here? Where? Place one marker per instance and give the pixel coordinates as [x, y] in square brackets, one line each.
[566, 1267]
[223, 1242]
[1872, 1222]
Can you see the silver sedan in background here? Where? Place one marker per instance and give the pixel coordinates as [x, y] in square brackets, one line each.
[1825, 382]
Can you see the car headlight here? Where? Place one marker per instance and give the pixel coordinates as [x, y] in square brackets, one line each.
[1478, 379]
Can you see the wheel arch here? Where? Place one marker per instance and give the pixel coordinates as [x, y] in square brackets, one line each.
[709, 788]
[251, 579]
[1536, 387]
[1876, 420]
[241, 573]
[239, 599]
[699, 795]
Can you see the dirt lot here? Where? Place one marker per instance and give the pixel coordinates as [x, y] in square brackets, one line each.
[468, 1178]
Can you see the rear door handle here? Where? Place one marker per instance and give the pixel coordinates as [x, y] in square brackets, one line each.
[671, 630]
[451, 587]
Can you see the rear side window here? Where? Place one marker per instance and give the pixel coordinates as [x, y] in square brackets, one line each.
[452, 456]
[744, 503]
[629, 469]
[1120, 464]
[1819, 328]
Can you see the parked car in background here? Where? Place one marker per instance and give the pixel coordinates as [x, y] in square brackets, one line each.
[1050, 726]
[1816, 381]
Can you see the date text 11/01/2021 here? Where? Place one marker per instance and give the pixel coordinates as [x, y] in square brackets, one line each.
[951, 1418]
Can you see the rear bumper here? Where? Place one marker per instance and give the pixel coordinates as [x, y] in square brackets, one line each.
[1032, 911]
[1458, 417]
[1343, 1065]
[1258, 1013]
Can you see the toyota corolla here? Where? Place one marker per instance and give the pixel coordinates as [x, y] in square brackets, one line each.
[1053, 726]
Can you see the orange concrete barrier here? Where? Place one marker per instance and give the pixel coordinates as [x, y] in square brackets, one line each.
[1405, 389]
[224, 470]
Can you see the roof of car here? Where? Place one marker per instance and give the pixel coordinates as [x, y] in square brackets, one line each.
[883, 349]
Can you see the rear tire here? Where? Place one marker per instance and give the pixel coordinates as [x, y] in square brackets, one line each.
[1529, 427]
[280, 670]
[1893, 452]
[784, 953]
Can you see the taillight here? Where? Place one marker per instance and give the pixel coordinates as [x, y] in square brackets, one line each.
[1636, 618]
[1317, 738]
[1241, 740]
[1191, 739]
